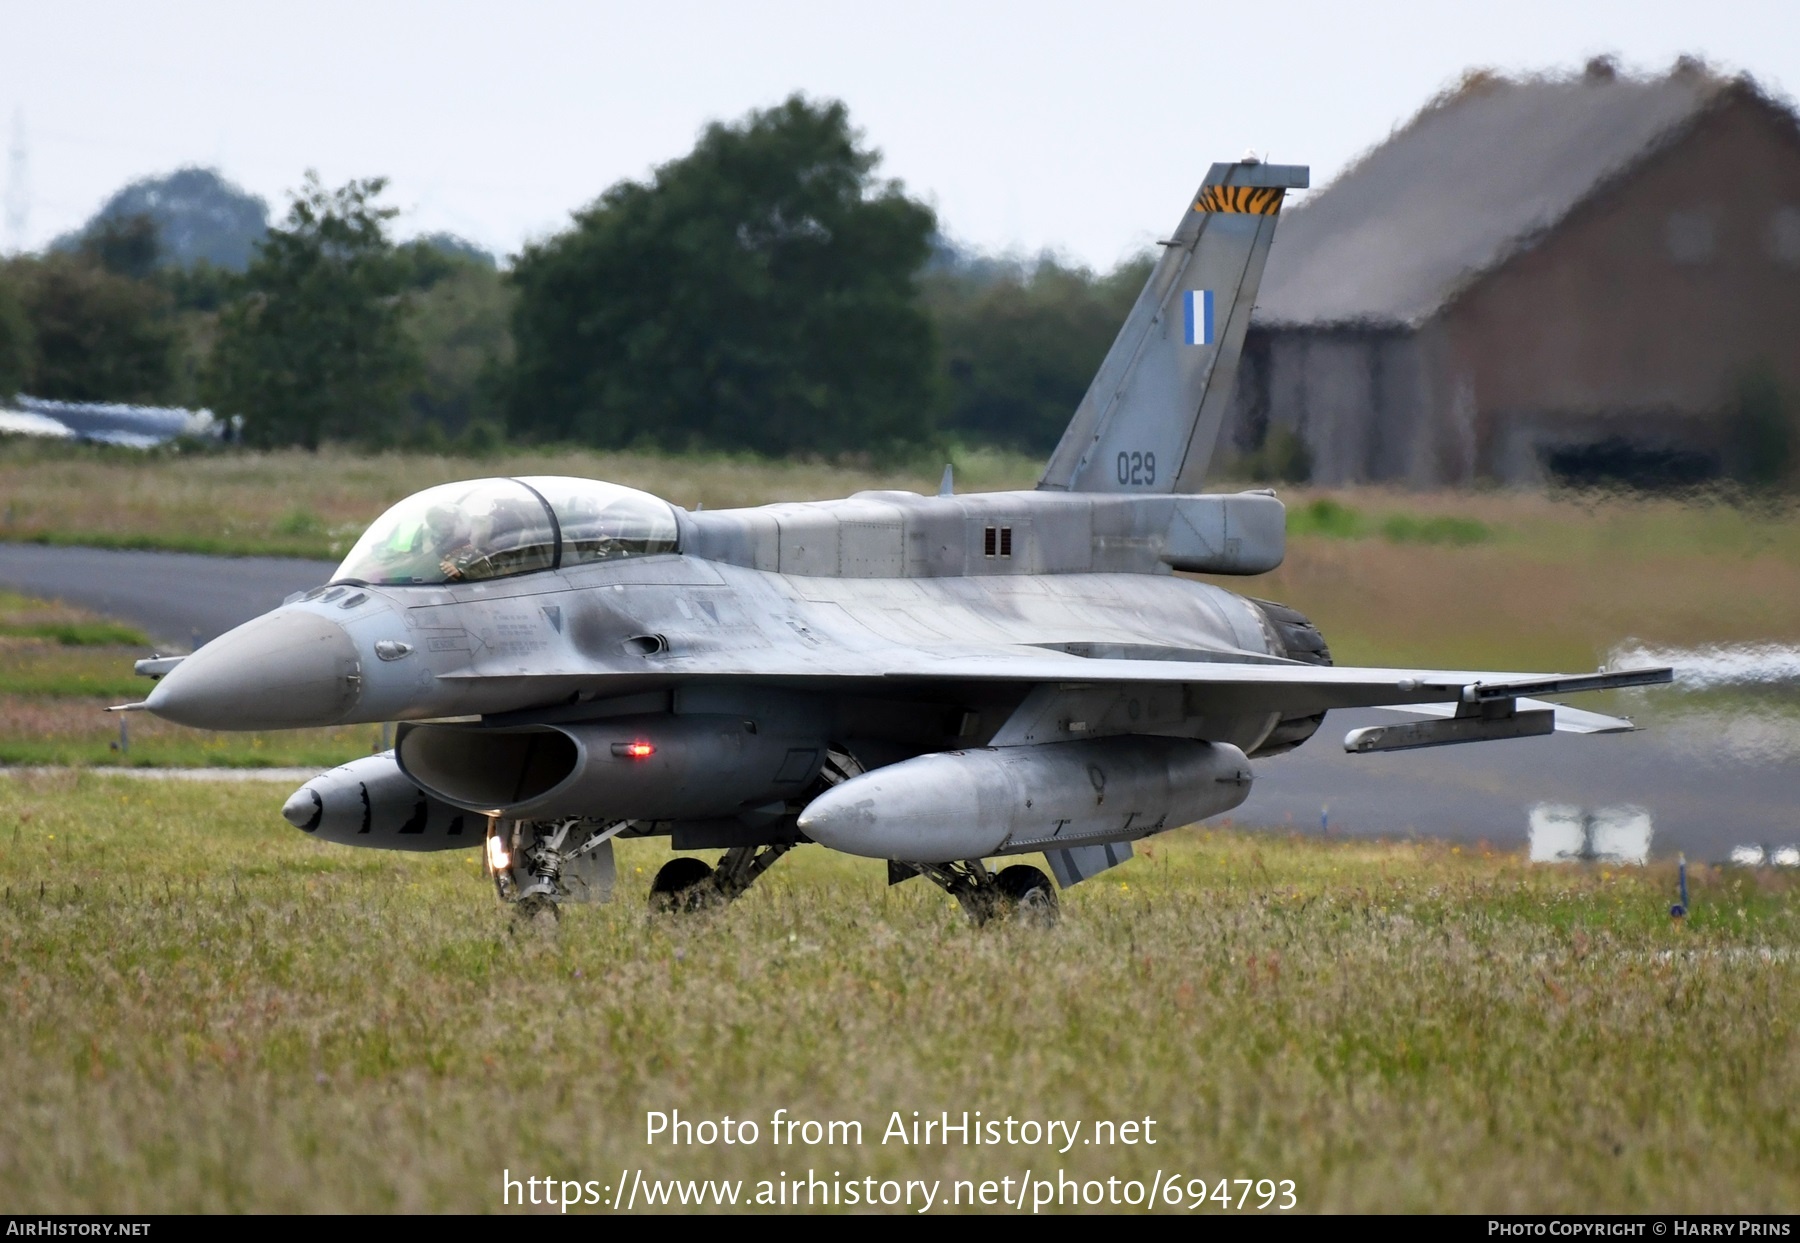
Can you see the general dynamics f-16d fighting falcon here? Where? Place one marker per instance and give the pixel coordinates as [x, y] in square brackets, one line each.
[928, 680]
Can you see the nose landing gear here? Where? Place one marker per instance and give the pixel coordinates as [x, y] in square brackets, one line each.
[538, 866]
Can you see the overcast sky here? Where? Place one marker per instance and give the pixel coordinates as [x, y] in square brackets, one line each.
[1075, 126]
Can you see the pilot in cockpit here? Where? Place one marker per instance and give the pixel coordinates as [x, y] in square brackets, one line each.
[450, 541]
[495, 528]
[502, 540]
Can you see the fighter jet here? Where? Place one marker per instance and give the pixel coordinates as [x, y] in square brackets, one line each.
[933, 681]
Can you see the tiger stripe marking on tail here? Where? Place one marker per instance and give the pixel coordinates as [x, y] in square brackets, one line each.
[1241, 200]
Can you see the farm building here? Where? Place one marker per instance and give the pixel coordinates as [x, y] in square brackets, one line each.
[1578, 277]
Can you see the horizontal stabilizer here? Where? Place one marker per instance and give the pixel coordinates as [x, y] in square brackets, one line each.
[1568, 684]
[1568, 720]
[1474, 727]
[156, 666]
[1485, 721]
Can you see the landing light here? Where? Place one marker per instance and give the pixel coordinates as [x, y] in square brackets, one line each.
[633, 750]
[498, 859]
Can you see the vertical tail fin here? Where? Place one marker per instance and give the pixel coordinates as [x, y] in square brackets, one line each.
[1152, 414]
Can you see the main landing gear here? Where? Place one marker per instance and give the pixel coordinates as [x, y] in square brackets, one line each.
[539, 866]
[1020, 892]
[688, 884]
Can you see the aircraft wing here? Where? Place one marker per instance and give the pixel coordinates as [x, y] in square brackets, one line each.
[1299, 689]
[1254, 682]
[1348, 686]
[1459, 705]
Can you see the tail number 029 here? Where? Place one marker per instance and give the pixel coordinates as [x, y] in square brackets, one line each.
[1137, 469]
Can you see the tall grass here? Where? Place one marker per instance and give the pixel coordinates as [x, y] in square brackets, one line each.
[208, 1011]
[61, 667]
[1332, 519]
[73, 730]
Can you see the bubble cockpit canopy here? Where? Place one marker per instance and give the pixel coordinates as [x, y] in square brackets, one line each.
[495, 528]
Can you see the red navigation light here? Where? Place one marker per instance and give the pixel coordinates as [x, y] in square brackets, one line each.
[634, 750]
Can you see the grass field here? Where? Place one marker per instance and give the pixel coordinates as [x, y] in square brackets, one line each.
[61, 667]
[1547, 583]
[293, 503]
[205, 1010]
[202, 1009]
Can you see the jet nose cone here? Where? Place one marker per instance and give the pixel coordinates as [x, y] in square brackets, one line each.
[304, 808]
[286, 669]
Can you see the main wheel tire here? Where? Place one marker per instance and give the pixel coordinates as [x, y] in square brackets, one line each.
[683, 884]
[1031, 895]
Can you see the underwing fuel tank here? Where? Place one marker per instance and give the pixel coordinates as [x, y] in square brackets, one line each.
[1009, 800]
[370, 802]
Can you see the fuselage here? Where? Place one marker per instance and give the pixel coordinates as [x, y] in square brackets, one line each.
[701, 669]
[746, 594]
[414, 653]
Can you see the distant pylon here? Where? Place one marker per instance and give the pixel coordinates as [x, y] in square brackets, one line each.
[18, 191]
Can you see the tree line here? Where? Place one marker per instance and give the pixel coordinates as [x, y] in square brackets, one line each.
[766, 292]
[324, 329]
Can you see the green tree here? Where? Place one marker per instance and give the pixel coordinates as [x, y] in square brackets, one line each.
[759, 293]
[124, 245]
[96, 335]
[17, 343]
[315, 346]
[460, 323]
[1021, 344]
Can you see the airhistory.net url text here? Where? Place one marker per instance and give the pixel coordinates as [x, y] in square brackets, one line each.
[1028, 1192]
